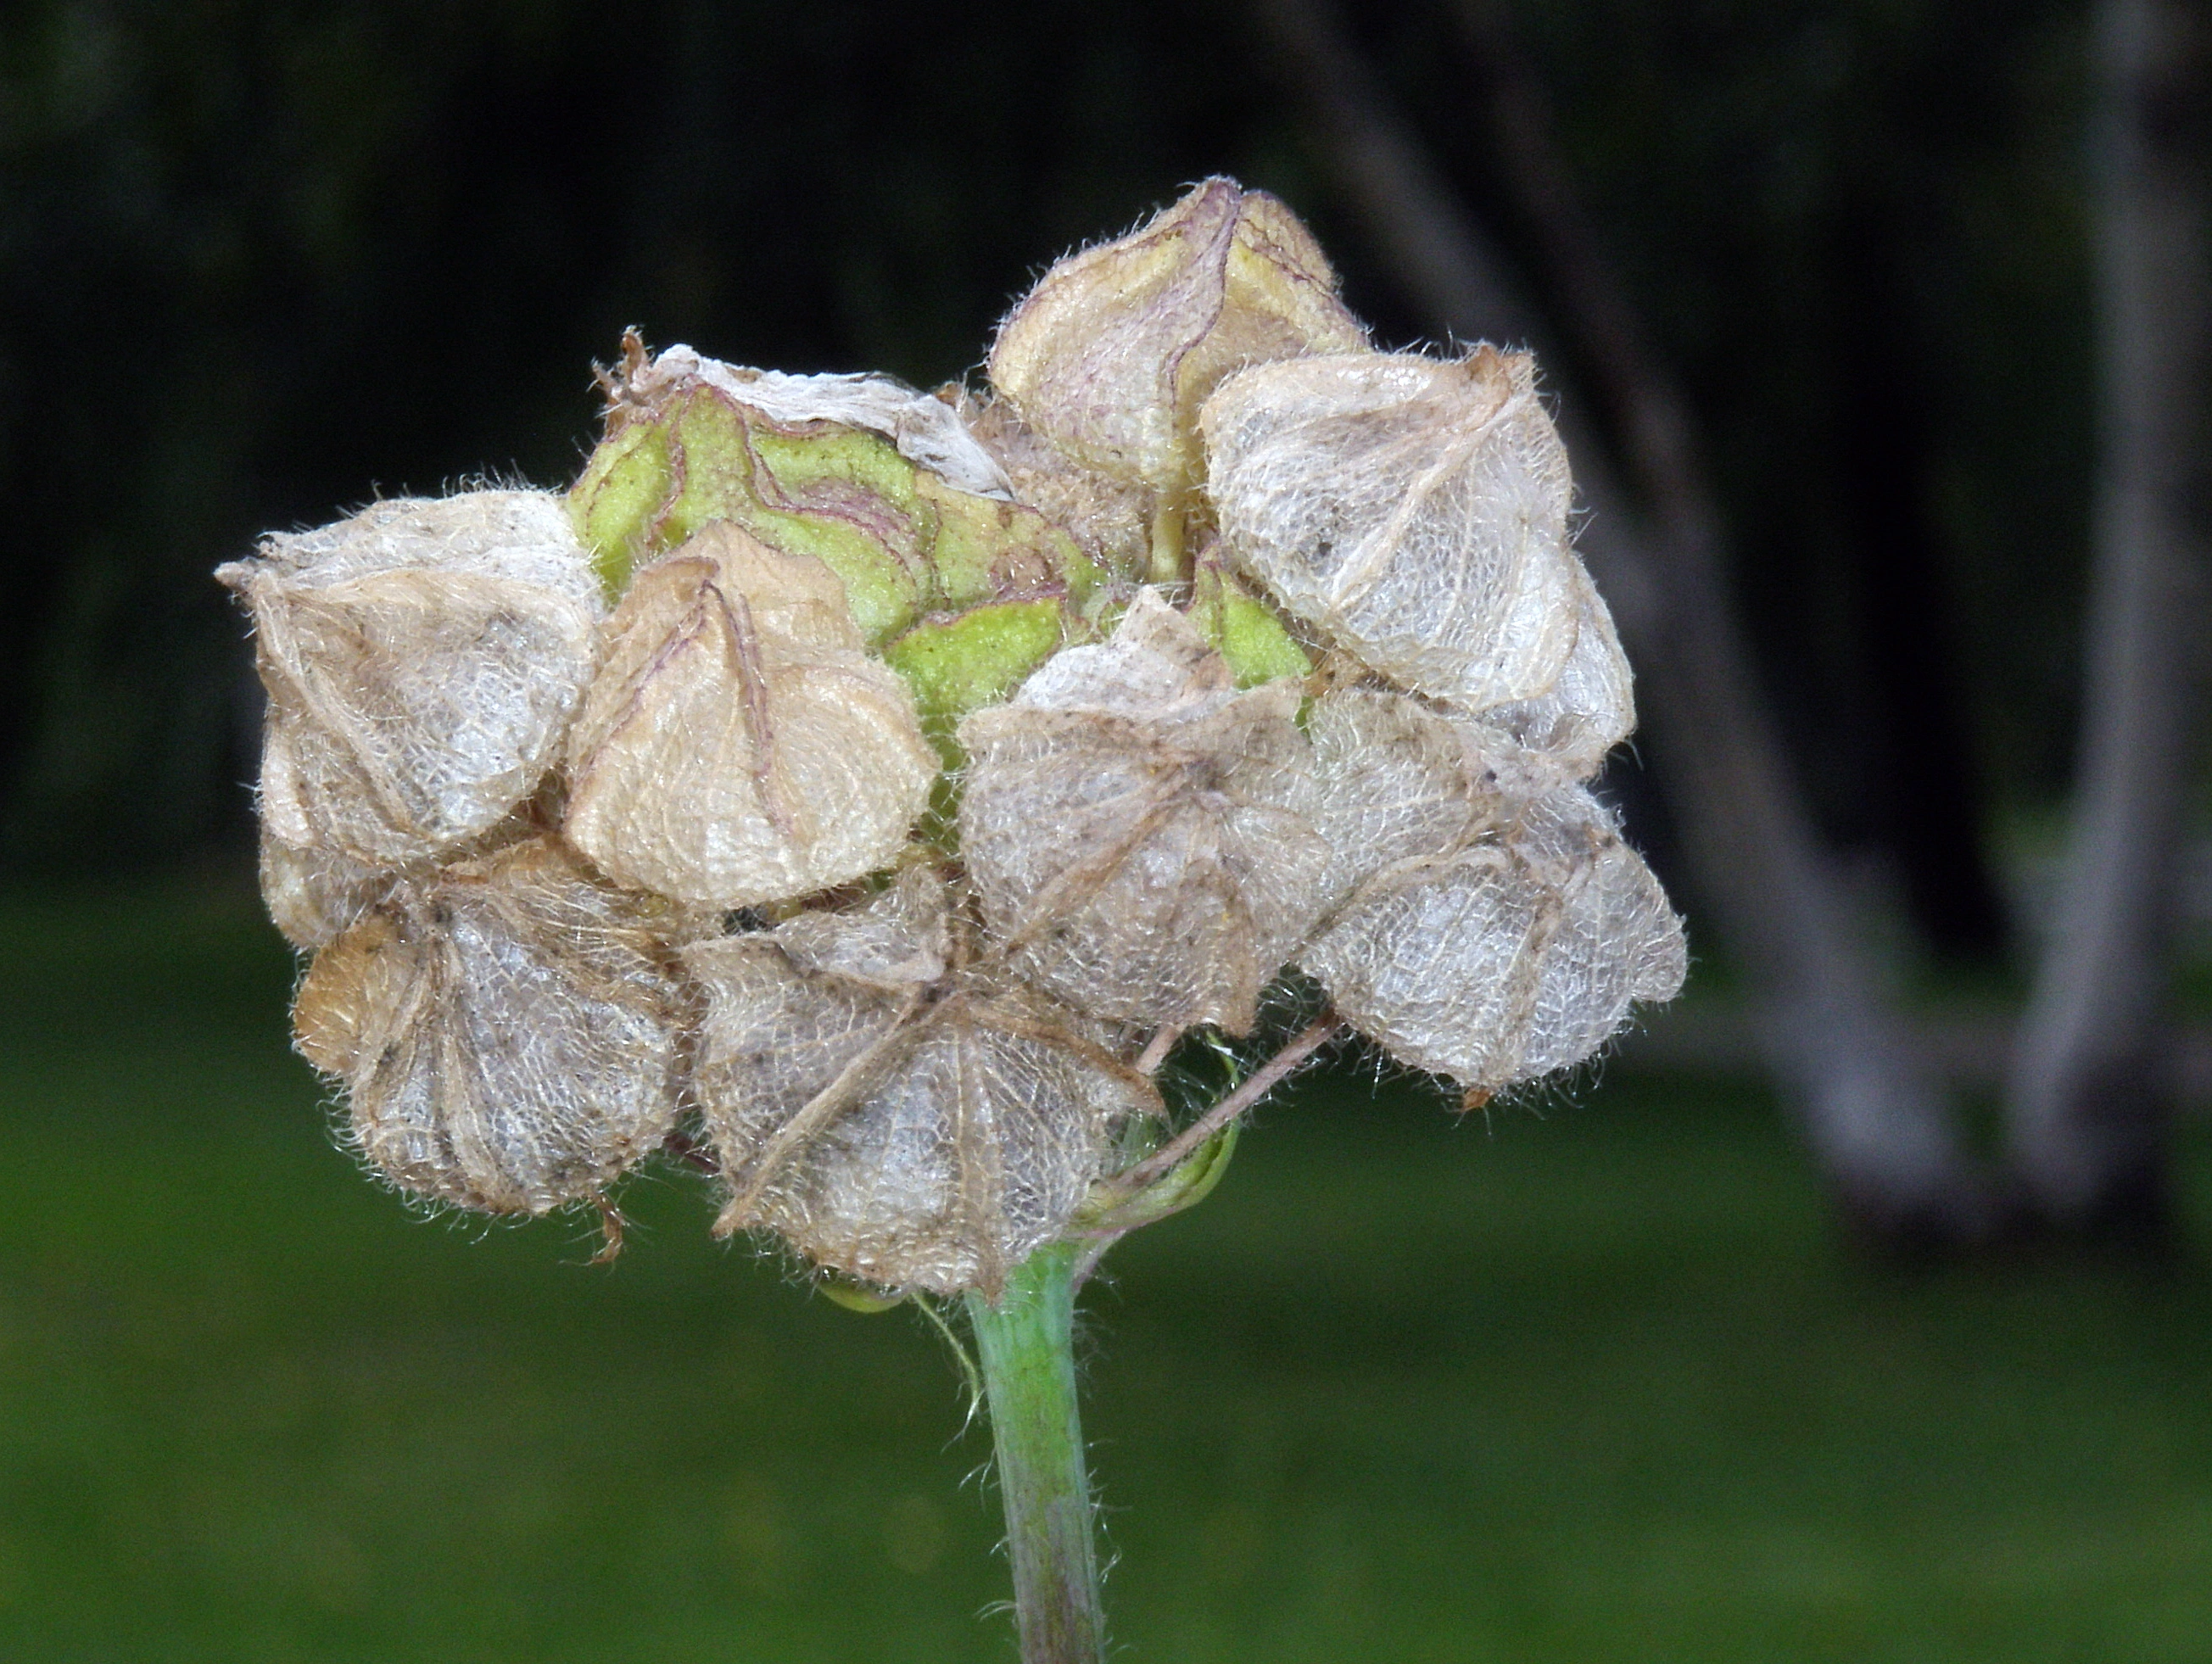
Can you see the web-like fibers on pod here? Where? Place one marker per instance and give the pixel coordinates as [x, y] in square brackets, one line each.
[314, 895]
[1567, 730]
[909, 1126]
[504, 1030]
[1509, 958]
[423, 661]
[1398, 781]
[737, 745]
[1413, 511]
[1139, 833]
[1111, 354]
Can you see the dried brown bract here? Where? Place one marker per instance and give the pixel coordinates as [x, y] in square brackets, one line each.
[1111, 518]
[1138, 831]
[1413, 510]
[1507, 959]
[738, 746]
[504, 1029]
[423, 661]
[1113, 352]
[904, 1124]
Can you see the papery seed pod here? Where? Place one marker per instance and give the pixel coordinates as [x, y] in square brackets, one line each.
[1136, 830]
[422, 661]
[1590, 709]
[1509, 958]
[313, 896]
[737, 746]
[1414, 511]
[1398, 782]
[844, 469]
[1111, 518]
[891, 1123]
[1112, 353]
[504, 1029]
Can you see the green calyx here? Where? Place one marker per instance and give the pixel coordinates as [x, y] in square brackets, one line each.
[956, 665]
[905, 542]
[1244, 630]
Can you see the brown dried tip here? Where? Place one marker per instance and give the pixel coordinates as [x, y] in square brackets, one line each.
[1112, 353]
[423, 661]
[738, 746]
[503, 1029]
[910, 1127]
[1509, 958]
[1416, 512]
[1138, 831]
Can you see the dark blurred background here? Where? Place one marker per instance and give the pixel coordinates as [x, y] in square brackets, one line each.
[259, 262]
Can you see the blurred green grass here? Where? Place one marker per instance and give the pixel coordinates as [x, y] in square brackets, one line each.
[1599, 1386]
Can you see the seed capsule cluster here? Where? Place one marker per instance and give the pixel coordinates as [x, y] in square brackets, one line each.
[879, 777]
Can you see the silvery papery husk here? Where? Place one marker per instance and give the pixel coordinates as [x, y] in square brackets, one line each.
[1568, 729]
[314, 895]
[1138, 831]
[1414, 511]
[504, 1029]
[1397, 782]
[423, 661]
[1507, 959]
[1112, 353]
[889, 1118]
[737, 745]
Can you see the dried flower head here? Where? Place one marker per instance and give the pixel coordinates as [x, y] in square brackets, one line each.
[1138, 830]
[737, 745]
[891, 1118]
[1112, 353]
[504, 1029]
[423, 661]
[1413, 511]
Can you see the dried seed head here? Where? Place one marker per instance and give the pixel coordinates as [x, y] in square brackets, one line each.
[1112, 353]
[883, 485]
[1507, 959]
[503, 1029]
[1413, 510]
[889, 1123]
[737, 746]
[1136, 830]
[423, 661]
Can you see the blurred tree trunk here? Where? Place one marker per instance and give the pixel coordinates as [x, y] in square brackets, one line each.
[2088, 1107]
[1879, 1129]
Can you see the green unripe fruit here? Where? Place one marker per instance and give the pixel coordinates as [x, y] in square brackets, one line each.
[956, 665]
[1244, 630]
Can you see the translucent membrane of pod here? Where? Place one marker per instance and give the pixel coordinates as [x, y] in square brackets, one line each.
[1138, 831]
[1590, 709]
[905, 1125]
[1509, 958]
[422, 661]
[1112, 353]
[1413, 510]
[737, 745]
[1398, 782]
[503, 1029]
[314, 895]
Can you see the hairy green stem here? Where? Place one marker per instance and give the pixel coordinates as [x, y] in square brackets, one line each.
[1025, 1344]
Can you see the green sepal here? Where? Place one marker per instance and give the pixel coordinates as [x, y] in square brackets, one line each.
[614, 504]
[1244, 630]
[956, 665]
[1188, 1183]
[855, 1296]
